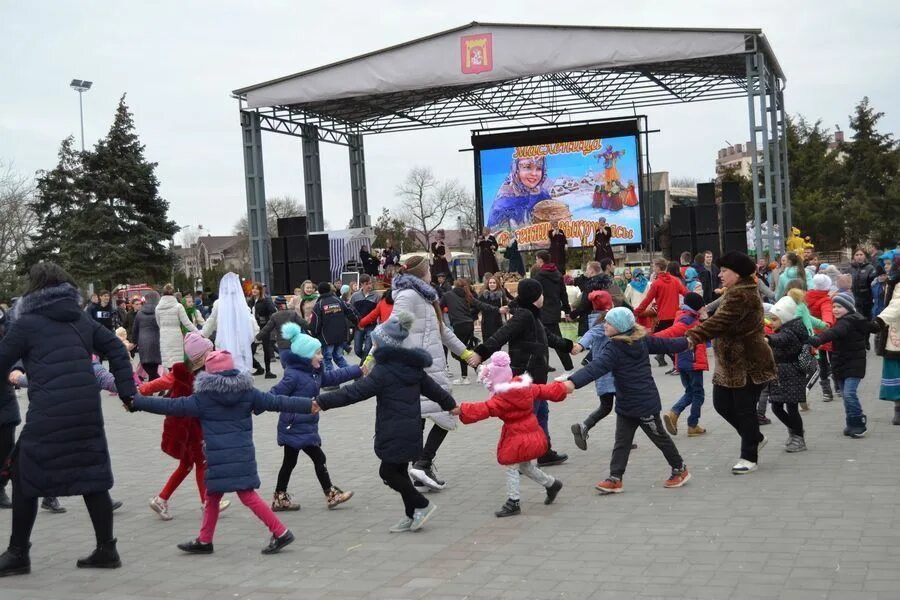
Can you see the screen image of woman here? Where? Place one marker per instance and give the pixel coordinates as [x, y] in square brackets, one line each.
[525, 186]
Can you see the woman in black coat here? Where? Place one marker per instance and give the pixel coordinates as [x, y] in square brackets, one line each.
[62, 449]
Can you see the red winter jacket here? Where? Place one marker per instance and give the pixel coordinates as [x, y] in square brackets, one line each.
[819, 304]
[381, 312]
[521, 438]
[665, 290]
[689, 360]
[182, 437]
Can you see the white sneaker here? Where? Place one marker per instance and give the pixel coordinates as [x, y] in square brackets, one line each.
[223, 504]
[421, 515]
[456, 382]
[762, 444]
[742, 467]
[160, 507]
[568, 373]
[465, 381]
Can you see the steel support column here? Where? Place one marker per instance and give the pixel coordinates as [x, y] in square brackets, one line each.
[358, 182]
[312, 178]
[256, 197]
[785, 172]
[775, 157]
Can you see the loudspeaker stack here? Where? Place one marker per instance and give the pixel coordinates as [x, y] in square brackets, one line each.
[298, 255]
[734, 229]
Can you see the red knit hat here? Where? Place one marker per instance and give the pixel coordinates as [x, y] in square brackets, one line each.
[218, 361]
[600, 300]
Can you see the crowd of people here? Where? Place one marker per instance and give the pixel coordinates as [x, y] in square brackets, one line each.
[775, 331]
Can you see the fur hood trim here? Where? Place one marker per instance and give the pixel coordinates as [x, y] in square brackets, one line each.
[414, 357]
[410, 282]
[226, 382]
[43, 298]
[522, 381]
[630, 337]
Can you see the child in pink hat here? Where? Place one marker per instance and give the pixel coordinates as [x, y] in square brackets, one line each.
[521, 439]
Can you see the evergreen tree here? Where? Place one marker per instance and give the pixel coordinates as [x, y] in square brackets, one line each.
[129, 215]
[872, 192]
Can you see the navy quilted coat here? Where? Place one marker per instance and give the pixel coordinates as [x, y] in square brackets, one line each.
[224, 403]
[62, 448]
[299, 430]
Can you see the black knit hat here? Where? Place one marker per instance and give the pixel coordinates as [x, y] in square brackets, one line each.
[694, 301]
[738, 262]
[529, 291]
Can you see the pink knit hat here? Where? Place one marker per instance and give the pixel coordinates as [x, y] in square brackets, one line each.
[495, 371]
[218, 361]
[196, 347]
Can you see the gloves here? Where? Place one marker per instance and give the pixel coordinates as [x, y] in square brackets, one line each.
[128, 403]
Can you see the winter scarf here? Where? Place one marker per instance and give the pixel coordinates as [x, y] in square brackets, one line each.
[191, 311]
[639, 282]
[410, 282]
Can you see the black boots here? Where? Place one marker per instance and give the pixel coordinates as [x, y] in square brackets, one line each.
[15, 561]
[104, 556]
[856, 426]
[552, 457]
[510, 507]
[5, 502]
[552, 491]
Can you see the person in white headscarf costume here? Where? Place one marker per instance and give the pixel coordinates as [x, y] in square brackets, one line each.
[233, 323]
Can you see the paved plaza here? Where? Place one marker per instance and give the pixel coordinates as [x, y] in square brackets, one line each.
[819, 525]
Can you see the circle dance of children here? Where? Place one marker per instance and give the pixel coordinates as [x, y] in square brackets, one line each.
[774, 332]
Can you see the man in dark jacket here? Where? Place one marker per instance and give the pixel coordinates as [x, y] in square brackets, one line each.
[329, 323]
[369, 262]
[443, 284]
[556, 299]
[863, 273]
[363, 302]
[104, 312]
[262, 308]
[596, 276]
[272, 328]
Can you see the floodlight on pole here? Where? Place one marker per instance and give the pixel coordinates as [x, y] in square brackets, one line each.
[81, 86]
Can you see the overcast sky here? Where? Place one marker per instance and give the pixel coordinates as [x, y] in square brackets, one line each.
[178, 62]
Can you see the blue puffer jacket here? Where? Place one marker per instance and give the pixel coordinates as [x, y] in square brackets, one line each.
[299, 430]
[626, 356]
[224, 402]
[397, 381]
[595, 340]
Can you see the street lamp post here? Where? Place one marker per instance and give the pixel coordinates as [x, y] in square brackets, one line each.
[81, 86]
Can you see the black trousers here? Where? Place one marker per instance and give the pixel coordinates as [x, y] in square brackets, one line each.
[25, 508]
[564, 357]
[789, 414]
[465, 332]
[652, 426]
[432, 442]
[267, 354]
[395, 477]
[738, 407]
[606, 406]
[316, 455]
[7, 442]
[152, 370]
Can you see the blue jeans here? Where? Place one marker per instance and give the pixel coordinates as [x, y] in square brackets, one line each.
[542, 412]
[362, 342]
[693, 396]
[849, 387]
[333, 352]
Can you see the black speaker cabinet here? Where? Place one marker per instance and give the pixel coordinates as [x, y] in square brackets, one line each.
[280, 278]
[709, 241]
[706, 219]
[681, 220]
[318, 247]
[291, 226]
[320, 270]
[298, 272]
[681, 244]
[731, 192]
[735, 240]
[297, 249]
[279, 249]
[706, 194]
[733, 217]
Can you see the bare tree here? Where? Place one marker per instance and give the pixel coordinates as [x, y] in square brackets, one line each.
[468, 217]
[426, 202]
[683, 181]
[279, 207]
[17, 224]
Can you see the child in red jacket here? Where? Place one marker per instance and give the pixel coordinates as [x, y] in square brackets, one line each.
[665, 291]
[521, 439]
[818, 300]
[690, 364]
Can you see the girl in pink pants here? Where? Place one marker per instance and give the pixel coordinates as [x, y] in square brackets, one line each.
[224, 400]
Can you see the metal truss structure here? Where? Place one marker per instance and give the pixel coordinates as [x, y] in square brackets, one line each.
[550, 98]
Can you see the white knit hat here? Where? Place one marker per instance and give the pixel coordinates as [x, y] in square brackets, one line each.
[785, 309]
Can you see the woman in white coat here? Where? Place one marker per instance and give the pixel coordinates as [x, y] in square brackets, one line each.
[171, 317]
[412, 294]
[232, 323]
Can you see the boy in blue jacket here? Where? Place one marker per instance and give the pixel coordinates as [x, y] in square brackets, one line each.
[303, 376]
[224, 400]
[626, 356]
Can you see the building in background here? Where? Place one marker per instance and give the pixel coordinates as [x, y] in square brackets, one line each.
[220, 252]
[737, 157]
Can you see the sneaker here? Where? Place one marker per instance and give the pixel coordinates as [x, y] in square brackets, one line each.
[52, 504]
[670, 420]
[762, 443]
[276, 544]
[827, 396]
[281, 501]
[672, 371]
[223, 504]
[404, 525]
[424, 473]
[258, 371]
[763, 420]
[695, 430]
[456, 381]
[551, 458]
[742, 467]
[5, 501]
[196, 547]
[581, 435]
[610, 485]
[465, 381]
[421, 515]
[796, 444]
[552, 491]
[271, 376]
[160, 507]
[510, 507]
[337, 496]
[678, 478]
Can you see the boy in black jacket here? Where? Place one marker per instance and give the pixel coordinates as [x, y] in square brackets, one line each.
[329, 323]
[848, 359]
[626, 356]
